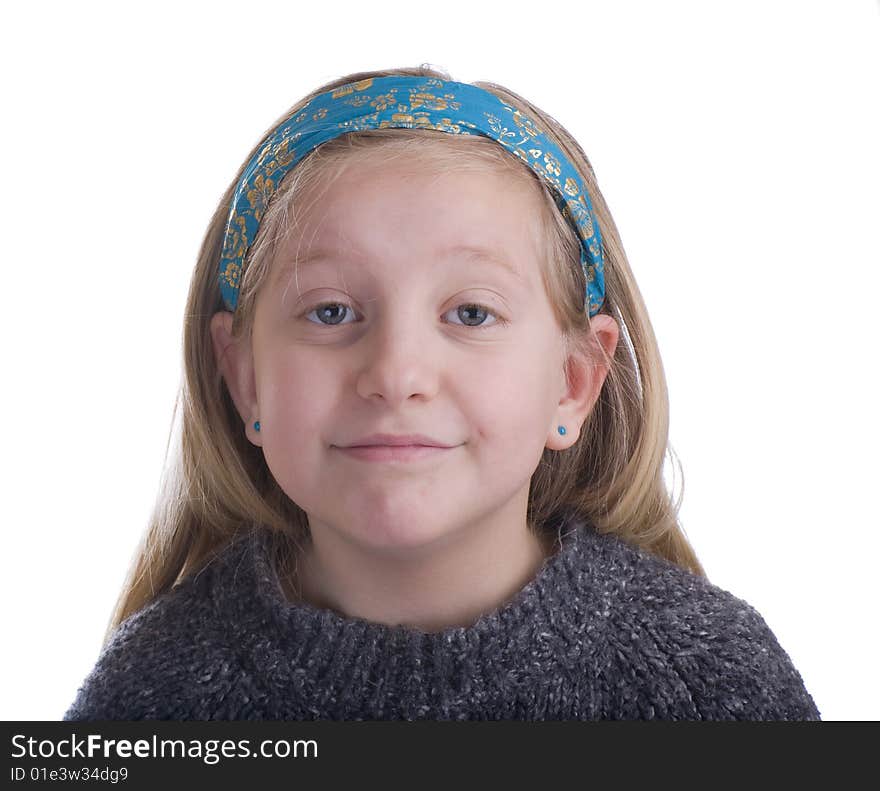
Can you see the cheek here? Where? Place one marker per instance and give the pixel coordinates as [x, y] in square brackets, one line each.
[292, 409]
[292, 398]
[510, 402]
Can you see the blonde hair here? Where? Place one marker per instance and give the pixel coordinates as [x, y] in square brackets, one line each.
[218, 483]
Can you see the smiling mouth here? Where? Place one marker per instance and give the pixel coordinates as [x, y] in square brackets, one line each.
[394, 453]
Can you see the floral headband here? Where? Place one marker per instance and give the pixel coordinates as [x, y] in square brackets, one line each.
[411, 103]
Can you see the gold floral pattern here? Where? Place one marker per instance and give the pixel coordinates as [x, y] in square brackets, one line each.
[407, 103]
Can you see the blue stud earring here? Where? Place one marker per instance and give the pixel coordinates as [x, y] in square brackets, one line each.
[562, 429]
[257, 426]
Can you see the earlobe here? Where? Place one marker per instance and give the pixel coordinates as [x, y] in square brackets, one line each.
[235, 362]
[564, 436]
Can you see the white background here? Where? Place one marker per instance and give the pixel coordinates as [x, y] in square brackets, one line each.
[737, 146]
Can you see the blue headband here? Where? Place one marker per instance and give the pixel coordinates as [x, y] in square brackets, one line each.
[411, 103]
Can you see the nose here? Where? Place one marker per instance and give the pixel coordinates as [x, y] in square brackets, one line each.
[400, 357]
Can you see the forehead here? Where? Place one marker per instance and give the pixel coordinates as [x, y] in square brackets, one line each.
[376, 210]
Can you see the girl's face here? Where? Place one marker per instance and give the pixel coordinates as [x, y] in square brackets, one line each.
[417, 308]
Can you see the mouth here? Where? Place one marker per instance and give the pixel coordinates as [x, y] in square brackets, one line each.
[394, 453]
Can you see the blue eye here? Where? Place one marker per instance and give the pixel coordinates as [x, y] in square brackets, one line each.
[325, 309]
[334, 312]
[471, 308]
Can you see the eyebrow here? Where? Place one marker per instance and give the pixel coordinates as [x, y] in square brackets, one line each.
[460, 251]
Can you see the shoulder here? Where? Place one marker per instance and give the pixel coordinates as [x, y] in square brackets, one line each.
[161, 662]
[695, 650]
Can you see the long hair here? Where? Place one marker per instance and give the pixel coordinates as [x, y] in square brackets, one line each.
[217, 484]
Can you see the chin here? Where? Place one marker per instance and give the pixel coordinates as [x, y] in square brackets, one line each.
[392, 534]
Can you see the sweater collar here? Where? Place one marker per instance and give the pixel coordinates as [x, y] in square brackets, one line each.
[247, 587]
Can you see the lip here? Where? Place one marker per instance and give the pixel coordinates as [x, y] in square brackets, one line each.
[398, 440]
[395, 453]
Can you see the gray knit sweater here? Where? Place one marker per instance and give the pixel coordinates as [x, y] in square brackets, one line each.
[604, 631]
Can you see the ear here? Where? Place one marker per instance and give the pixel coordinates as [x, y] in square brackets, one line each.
[235, 361]
[587, 377]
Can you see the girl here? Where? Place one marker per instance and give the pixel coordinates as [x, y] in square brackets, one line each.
[424, 426]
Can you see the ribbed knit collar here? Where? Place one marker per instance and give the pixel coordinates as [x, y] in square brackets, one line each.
[247, 585]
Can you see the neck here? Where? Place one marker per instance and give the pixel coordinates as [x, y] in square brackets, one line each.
[450, 584]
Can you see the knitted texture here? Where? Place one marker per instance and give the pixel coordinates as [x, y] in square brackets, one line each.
[603, 631]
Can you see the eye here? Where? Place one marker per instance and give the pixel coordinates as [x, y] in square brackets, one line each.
[473, 311]
[330, 314]
[330, 311]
